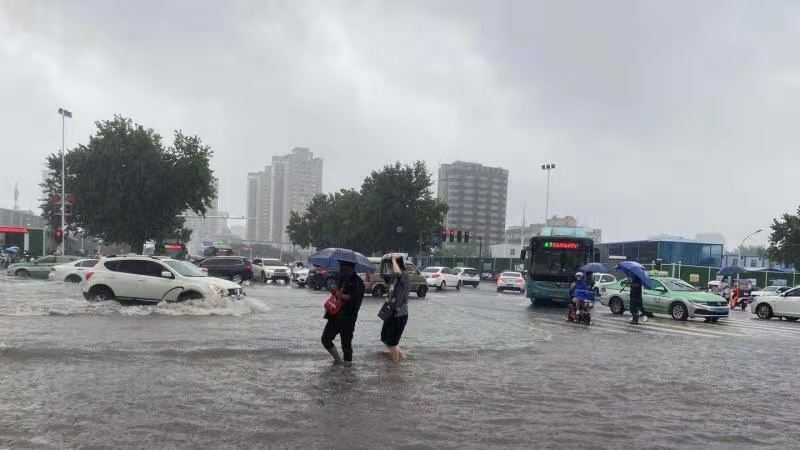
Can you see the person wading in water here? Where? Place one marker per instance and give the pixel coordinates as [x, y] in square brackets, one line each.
[350, 290]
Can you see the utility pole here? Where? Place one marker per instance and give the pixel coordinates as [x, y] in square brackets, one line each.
[64, 114]
[548, 167]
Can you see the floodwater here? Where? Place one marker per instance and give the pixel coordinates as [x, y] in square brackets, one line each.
[486, 370]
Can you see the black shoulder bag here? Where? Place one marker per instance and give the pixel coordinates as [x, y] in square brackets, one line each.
[388, 309]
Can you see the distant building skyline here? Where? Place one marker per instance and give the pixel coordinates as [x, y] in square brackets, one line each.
[476, 196]
[285, 186]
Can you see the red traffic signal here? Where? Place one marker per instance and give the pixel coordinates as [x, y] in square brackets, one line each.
[58, 235]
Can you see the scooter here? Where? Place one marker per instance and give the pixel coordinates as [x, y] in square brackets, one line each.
[582, 316]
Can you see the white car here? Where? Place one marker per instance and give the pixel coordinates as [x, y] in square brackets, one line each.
[469, 276]
[146, 279]
[73, 272]
[786, 305]
[770, 290]
[511, 281]
[441, 277]
[266, 269]
[300, 276]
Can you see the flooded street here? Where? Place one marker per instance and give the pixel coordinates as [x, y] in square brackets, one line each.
[486, 370]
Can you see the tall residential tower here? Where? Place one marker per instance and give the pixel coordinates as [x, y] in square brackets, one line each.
[476, 196]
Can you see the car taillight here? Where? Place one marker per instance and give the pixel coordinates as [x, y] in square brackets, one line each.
[501, 280]
[519, 280]
[248, 267]
[436, 275]
[89, 275]
[204, 270]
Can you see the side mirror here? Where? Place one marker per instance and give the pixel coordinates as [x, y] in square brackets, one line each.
[166, 274]
[661, 289]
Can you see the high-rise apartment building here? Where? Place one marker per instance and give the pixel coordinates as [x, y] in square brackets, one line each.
[288, 185]
[258, 205]
[296, 179]
[476, 196]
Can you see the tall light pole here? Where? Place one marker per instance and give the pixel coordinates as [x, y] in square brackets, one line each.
[548, 168]
[742, 244]
[64, 114]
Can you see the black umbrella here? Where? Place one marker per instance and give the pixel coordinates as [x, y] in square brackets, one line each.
[733, 270]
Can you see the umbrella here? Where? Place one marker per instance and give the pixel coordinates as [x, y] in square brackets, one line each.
[329, 258]
[12, 250]
[733, 270]
[637, 270]
[594, 268]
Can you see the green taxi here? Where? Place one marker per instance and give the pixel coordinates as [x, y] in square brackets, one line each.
[40, 268]
[670, 296]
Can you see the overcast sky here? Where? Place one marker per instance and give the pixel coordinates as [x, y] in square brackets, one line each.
[671, 117]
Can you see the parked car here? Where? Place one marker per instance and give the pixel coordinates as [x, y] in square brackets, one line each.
[469, 276]
[73, 272]
[671, 296]
[511, 281]
[785, 305]
[235, 268]
[39, 268]
[770, 291]
[267, 269]
[441, 277]
[151, 280]
[320, 277]
[379, 287]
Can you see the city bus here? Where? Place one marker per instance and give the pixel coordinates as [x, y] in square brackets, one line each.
[551, 263]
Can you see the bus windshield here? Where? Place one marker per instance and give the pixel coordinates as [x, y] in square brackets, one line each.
[557, 259]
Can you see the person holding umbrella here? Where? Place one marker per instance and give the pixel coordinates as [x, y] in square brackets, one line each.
[638, 279]
[395, 324]
[350, 291]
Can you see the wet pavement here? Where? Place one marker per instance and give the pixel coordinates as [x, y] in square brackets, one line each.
[486, 370]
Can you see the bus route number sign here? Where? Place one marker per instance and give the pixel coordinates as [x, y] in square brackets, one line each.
[562, 245]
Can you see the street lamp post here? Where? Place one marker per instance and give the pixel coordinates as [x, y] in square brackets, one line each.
[742, 245]
[64, 114]
[548, 168]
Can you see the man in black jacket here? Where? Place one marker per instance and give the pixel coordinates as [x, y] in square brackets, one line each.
[637, 302]
[350, 290]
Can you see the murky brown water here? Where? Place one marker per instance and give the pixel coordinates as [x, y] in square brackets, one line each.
[486, 371]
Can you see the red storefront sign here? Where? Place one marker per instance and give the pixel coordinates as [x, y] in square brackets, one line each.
[13, 230]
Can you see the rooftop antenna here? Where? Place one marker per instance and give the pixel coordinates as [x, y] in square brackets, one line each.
[16, 196]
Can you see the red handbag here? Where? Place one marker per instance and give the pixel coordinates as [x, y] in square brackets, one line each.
[333, 305]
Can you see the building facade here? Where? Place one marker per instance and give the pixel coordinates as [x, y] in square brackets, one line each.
[286, 186]
[750, 261]
[515, 234]
[476, 196]
[672, 251]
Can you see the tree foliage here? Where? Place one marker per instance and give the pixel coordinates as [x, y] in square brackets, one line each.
[784, 241]
[129, 187]
[394, 210]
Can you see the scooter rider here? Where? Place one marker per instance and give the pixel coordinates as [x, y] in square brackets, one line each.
[578, 285]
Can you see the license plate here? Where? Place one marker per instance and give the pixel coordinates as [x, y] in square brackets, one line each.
[509, 285]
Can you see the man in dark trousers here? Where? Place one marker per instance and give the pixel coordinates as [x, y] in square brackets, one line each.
[637, 302]
[350, 290]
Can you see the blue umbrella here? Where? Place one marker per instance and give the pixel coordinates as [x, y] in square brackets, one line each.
[594, 268]
[733, 270]
[329, 258]
[12, 250]
[637, 270]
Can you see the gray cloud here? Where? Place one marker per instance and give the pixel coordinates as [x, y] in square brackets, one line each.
[653, 111]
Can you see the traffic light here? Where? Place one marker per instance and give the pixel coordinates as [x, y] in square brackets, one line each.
[452, 234]
[444, 235]
[58, 235]
[459, 236]
[466, 237]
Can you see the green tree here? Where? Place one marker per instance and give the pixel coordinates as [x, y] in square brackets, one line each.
[395, 209]
[784, 241]
[129, 187]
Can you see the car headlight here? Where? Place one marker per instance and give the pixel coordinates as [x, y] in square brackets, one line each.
[216, 289]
